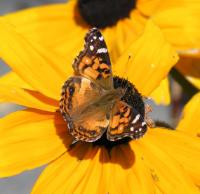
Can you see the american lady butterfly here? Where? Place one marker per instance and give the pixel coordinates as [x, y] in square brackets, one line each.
[94, 102]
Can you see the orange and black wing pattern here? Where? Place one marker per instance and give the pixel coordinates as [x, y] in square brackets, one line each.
[85, 121]
[94, 61]
[125, 121]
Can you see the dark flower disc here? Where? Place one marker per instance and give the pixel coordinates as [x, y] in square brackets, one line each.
[104, 13]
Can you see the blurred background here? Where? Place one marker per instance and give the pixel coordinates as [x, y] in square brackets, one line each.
[22, 184]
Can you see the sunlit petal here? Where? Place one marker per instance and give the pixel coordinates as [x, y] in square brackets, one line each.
[181, 33]
[30, 139]
[147, 61]
[66, 173]
[11, 78]
[161, 94]
[28, 98]
[163, 166]
[41, 69]
[180, 147]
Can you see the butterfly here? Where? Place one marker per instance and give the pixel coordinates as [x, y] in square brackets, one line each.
[92, 105]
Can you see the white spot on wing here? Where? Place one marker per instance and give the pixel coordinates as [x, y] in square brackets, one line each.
[91, 47]
[136, 118]
[143, 123]
[95, 37]
[101, 38]
[132, 129]
[102, 50]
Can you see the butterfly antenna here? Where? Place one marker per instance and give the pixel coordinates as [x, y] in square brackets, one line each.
[126, 65]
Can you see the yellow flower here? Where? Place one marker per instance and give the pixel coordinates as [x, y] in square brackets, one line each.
[190, 122]
[61, 28]
[163, 161]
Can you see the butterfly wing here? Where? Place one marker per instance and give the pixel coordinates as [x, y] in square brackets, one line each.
[94, 61]
[125, 121]
[86, 121]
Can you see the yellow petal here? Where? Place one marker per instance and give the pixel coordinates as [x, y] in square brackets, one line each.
[129, 170]
[190, 122]
[106, 176]
[147, 60]
[40, 68]
[121, 172]
[28, 98]
[34, 23]
[11, 78]
[14, 89]
[66, 29]
[71, 45]
[150, 7]
[30, 139]
[67, 172]
[161, 94]
[88, 183]
[189, 66]
[96, 172]
[167, 173]
[194, 81]
[181, 147]
[180, 25]
[119, 37]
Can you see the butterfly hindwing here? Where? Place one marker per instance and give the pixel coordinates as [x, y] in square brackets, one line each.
[86, 122]
[125, 121]
[94, 61]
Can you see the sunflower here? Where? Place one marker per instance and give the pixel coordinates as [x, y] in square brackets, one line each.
[163, 161]
[121, 21]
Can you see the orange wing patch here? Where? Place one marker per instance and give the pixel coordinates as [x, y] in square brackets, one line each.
[120, 119]
[125, 122]
[94, 67]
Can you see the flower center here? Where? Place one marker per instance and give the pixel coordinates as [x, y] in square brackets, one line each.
[104, 13]
[133, 98]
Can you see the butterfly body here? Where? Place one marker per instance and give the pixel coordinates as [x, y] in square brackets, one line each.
[92, 101]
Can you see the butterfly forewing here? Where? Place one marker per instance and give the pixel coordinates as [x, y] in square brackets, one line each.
[125, 121]
[86, 121]
[94, 61]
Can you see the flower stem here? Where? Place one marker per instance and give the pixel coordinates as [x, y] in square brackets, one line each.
[187, 86]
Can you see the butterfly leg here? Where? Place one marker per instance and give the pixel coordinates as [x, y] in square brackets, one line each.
[146, 98]
[149, 121]
[148, 109]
